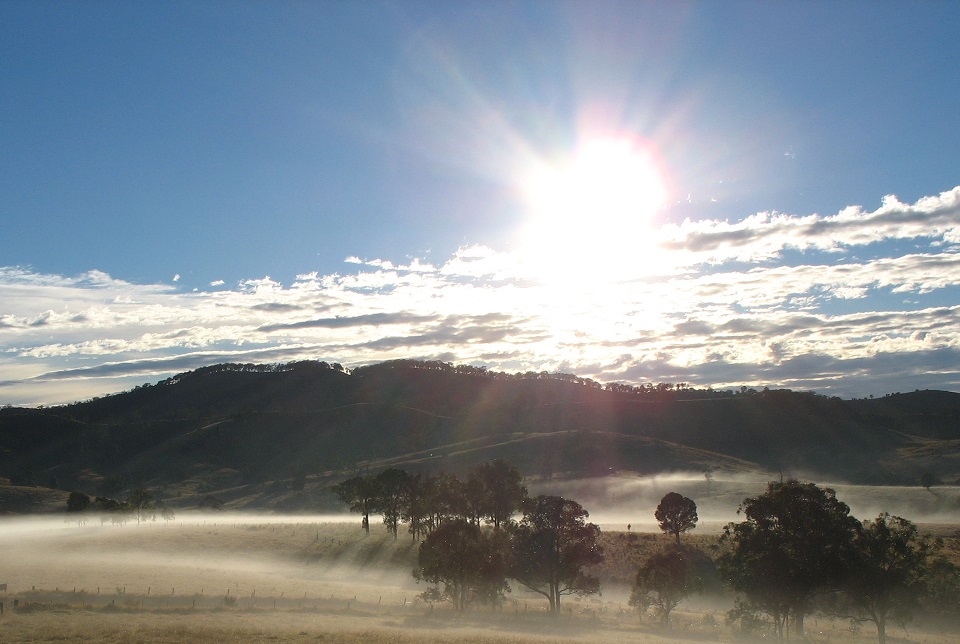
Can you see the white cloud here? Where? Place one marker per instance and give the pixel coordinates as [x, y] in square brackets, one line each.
[767, 235]
[856, 310]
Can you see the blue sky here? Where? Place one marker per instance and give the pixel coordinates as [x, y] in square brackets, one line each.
[718, 193]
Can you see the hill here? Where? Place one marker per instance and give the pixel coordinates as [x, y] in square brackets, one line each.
[257, 432]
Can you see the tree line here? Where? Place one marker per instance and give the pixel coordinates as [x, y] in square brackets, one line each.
[471, 543]
[797, 552]
[800, 552]
[140, 504]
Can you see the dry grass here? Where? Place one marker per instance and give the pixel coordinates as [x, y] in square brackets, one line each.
[225, 581]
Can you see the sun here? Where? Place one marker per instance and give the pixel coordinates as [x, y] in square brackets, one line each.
[593, 210]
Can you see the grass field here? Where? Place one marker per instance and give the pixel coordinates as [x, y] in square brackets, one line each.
[272, 579]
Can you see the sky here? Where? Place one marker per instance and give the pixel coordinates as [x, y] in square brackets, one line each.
[722, 194]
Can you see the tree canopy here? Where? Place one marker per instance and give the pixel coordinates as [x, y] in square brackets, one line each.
[886, 579]
[795, 543]
[500, 490]
[361, 494]
[552, 545]
[664, 580]
[465, 562]
[675, 514]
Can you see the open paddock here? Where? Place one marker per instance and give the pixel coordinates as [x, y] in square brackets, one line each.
[292, 579]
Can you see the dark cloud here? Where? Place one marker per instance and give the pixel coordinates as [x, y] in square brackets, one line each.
[41, 320]
[458, 330]
[694, 327]
[371, 319]
[277, 307]
[743, 325]
[703, 241]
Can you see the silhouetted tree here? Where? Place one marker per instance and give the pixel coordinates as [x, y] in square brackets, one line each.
[675, 514]
[107, 505]
[448, 499]
[795, 543]
[391, 489]
[708, 476]
[501, 490]
[663, 581]
[928, 480]
[886, 579]
[942, 582]
[141, 502]
[77, 502]
[416, 507]
[361, 494]
[465, 562]
[552, 545]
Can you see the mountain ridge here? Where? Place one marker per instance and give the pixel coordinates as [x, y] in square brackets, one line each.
[232, 425]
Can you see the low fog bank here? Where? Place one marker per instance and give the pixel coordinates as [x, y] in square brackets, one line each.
[245, 555]
[31, 526]
[617, 501]
[614, 502]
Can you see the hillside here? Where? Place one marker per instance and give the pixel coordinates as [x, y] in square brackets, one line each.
[233, 427]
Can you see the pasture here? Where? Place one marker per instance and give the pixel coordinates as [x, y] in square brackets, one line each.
[235, 578]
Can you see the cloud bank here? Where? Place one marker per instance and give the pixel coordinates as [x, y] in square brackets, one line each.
[860, 302]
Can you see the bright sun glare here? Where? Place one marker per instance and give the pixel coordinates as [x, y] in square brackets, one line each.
[591, 214]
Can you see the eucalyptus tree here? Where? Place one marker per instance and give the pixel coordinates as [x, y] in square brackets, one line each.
[500, 491]
[796, 543]
[675, 514]
[466, 563]
[551, 546]
[361, 494]
[887, 576]
[391, 495]
[664, 580]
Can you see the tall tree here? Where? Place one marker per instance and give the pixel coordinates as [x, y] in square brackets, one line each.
[664, 580]
[465, 563]
[416, 507]
[392, 488]
[361, 494]
[890, 558]
[501, 490]
[942, 587]
[141, 502]
[552, 545]
[78, 502]
[675, 514]
[928, 480]
[795, 543]
[448, 499]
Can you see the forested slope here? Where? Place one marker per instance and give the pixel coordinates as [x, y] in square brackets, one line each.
[229, 425]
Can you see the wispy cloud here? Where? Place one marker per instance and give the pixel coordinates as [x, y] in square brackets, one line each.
[854, 303]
